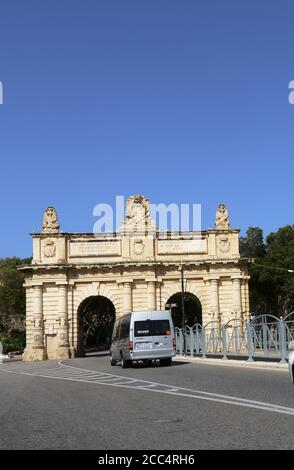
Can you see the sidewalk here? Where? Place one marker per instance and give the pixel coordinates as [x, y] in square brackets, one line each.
[234, 363]
[7, 358]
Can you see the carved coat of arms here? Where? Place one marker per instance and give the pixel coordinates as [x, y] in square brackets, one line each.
[138, 246]
[224, 244]
[49, 249]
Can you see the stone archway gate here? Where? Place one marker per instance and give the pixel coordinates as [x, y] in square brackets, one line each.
[136, 268]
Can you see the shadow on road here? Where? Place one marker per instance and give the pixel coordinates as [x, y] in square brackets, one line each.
[134, 365]
[96, 354]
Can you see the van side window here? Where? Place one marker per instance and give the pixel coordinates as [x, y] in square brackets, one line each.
[125, 327]
[121, 330]
[115, 332]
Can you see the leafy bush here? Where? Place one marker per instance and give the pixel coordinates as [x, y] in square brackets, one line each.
[17, 334]
[12, 344]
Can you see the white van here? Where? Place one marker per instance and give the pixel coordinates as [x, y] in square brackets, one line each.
[143, 336]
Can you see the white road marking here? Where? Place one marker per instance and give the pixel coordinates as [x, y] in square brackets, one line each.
[146, 386]
[72, 373]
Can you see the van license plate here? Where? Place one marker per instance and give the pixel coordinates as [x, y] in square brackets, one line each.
[143, 345]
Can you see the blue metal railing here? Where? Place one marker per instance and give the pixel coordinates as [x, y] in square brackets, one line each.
[264, 336]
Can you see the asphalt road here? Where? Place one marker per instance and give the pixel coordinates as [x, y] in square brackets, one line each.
[86, 404]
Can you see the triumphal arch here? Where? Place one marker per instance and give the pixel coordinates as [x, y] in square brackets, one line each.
[136, 268]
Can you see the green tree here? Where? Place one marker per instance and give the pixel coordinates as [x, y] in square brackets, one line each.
[12, 294]
[280, 255]
[271, 286]
[253, 244]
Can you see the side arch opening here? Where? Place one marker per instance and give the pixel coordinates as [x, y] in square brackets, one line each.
[192, 306]
[96, 317]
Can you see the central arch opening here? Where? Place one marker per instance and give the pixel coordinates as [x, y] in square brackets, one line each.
[96, 319]
[192, 306]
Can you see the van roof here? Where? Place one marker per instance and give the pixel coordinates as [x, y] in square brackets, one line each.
[148, 314]
[152, 314]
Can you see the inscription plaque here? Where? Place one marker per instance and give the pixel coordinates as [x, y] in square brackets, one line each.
[165, 247]
[95, 248]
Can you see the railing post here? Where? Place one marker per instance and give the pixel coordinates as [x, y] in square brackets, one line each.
[186, 345]
[181, 341]
[224, 341]
[249, 341]
[177, 341]
[203, 342]
[212, 339]
[282, 342]
[1, 352]
[186, 341]
[197, 343]
[238, 342]
[191, 342]
[236, 337]
[264, 337]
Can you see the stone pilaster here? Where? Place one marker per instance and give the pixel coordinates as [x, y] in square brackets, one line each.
[61, 249]
[37, 351]
[151, 293]
[62, 336]
[71, 320]
[236, 291]
[246, 298]
[127, 297]
[214, 298]
[36, 250]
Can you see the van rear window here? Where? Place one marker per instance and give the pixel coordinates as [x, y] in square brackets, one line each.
[152, 328]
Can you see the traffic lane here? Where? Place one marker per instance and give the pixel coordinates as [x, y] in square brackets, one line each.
[101, 378]
[255, 384]
[40, 413]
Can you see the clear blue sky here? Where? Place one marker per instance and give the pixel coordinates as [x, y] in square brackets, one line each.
[182, 101]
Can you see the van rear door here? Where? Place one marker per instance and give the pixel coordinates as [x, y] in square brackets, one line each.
[162, 334]
[143, 338]
[152, 333]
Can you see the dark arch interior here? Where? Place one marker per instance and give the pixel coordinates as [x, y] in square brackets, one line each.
[192, 306]
[96, 320]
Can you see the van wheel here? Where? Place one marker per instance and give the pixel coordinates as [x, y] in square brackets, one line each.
[166, 362]
[112, 362]
[123, 362]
